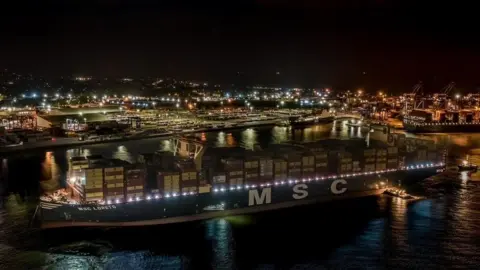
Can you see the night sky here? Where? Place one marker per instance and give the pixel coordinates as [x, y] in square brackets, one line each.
[311, 43]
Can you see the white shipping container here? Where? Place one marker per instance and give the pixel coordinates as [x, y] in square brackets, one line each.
[219, 179]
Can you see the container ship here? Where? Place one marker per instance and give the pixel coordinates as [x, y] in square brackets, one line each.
[442, 121]
[199, 182]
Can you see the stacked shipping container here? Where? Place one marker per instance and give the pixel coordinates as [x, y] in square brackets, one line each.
[135, 183]
[251, 169]
[234, 169]
[280, 169]
[168, 182]
[114, 183]
[308, 165]
[110, 181]
[381, 159]
[392, 157]
[265, 169]
[93, 186]
[369, 156]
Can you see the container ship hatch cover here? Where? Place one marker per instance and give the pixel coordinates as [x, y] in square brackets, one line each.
[230, 181]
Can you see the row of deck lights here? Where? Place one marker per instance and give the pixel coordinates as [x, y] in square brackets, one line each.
[153, 197]
[281, 183]
[278, 183]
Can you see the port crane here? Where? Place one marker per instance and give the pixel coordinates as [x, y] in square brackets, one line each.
[442, 97]
[412, 98]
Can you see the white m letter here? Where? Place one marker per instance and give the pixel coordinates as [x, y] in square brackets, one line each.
[254, 198]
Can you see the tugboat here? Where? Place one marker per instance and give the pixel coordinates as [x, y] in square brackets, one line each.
[467, 166]
[400, 193]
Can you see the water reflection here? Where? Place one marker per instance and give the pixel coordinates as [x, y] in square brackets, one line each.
[220, 139]
[231, 140]
[249, 139]
[122, 153]
[77, 152]
[280, 134]
[51, 173]
[166, 145]
[219, 233]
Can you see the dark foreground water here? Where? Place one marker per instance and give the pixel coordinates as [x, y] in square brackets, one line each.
[441, 232]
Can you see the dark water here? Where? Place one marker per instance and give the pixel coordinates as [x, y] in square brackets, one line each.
[441, 232]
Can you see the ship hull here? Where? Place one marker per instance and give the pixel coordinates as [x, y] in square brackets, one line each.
[222, 203]
[441, 128]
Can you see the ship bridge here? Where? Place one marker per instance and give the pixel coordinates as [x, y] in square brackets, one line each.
[189, 147]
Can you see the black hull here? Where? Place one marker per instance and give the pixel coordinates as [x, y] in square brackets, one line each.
[223, 202]
[441, 128]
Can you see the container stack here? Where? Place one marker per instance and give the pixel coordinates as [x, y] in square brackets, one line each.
[168, 182]
[381, 159]
[392, 157]
[114, 183]
[265, 169]
[308, 165]
[251, 170]
[135, 183]
[219, 178]
[93, 187]
[188, 177]
[321, 162]
[369, 156]
[294, 163]
[280, 169]
[345, 162]
[421, 153]
[234, 169]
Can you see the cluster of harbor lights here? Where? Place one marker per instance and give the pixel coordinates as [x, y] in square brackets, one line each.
[442, 124]
[278, 183]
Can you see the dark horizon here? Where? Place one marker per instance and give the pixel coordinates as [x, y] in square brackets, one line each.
[370, 44]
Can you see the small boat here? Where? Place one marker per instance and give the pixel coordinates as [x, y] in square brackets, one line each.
[399, 193]
[467, 166]
[358, 124]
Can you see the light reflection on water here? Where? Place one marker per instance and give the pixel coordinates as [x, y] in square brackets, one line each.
[219, 234]
[122, 153]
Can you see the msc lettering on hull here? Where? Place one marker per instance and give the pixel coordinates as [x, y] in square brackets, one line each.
[97, 208]
[254, 198]
[335, 186]
[300, 192]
